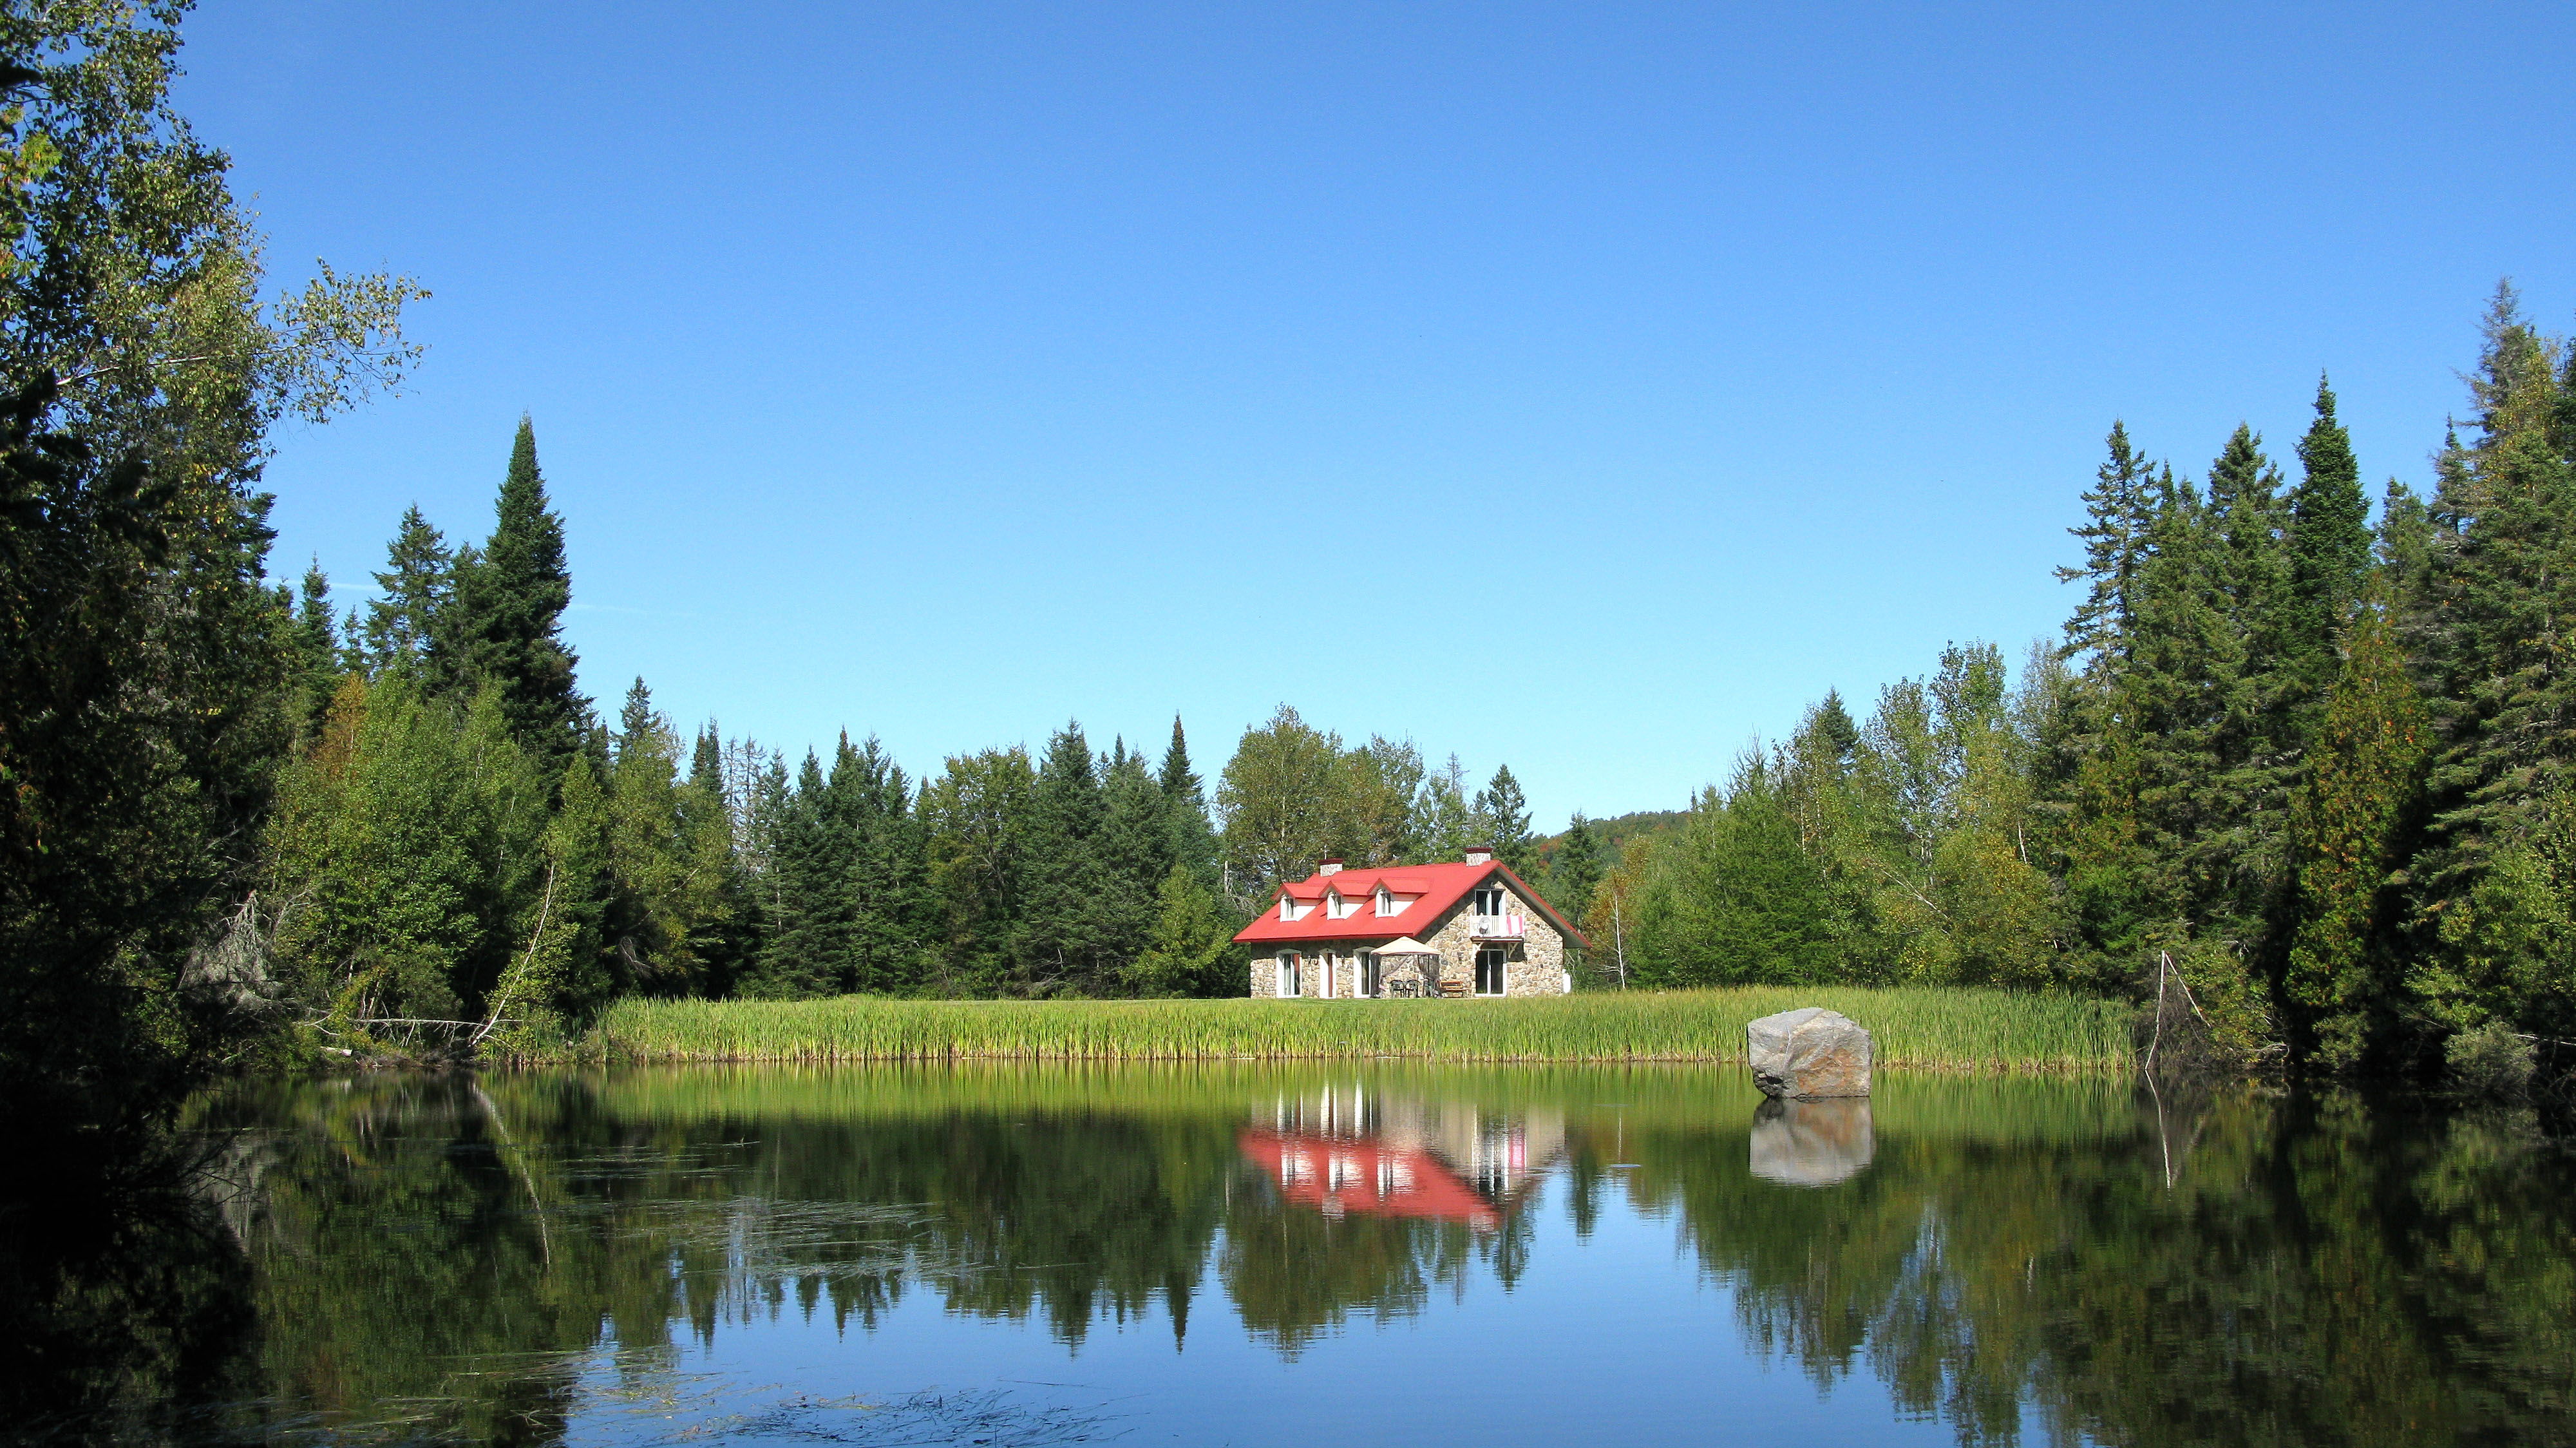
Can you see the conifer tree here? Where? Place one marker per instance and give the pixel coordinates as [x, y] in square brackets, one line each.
[2340, 980]
[1191, 950]
[807, 937]
[1193, 839]
[2329, 548]
[315, 644]
[2118, 510]
[1133, 854]
[888, 878]
[2493, 618]
[723, 938]
[1065, 938]
[1507, 815]
[508, 614]
[412, 594]
[1578, 868]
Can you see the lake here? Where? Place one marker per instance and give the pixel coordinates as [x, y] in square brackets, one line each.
[1369, 1254]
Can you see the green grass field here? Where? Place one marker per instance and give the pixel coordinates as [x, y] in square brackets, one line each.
[1935, 1029]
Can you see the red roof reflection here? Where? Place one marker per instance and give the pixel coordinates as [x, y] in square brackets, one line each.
[1338, 1174]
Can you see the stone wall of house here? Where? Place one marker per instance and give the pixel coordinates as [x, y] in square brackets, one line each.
[1535, 965]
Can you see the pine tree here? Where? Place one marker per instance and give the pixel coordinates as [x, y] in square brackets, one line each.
[1507, 815]
[508, 606]
[2329, 549]
[412, 594]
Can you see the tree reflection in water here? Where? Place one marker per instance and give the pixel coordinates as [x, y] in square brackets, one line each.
[445, 1258]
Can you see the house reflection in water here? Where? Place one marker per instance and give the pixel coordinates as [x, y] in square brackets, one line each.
[1346, 1150]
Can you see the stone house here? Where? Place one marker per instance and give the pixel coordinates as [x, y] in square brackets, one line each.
[1460, 930]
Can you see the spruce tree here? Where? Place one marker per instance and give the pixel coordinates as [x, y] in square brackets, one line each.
[1832, 724]
[508, 606]
[807, 942]
[412, 593]
[1133, 853]
[887, 881]
[2329, 552]
[1578, 868]
[1193, 839]
[1507, 817]
[315, 643]
[2493, 617]
[2118, 510]
[1064, 941]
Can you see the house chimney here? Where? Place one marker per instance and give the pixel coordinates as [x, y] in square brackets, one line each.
[1480, 854]
[1332, 865]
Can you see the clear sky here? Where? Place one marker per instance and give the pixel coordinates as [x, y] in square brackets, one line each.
[1586, 387]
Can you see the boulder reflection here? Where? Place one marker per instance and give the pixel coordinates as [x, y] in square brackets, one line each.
[1811, 1143]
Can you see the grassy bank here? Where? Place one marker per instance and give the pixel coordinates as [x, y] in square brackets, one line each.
[1965, 1030]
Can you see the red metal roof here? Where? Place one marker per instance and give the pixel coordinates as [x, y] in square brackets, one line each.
[1437, 886]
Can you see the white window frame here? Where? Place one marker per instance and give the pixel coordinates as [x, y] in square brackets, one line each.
[1290, 983]
[1502, 971]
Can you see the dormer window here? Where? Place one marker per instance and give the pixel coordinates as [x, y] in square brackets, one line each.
[1386, 903]
[1287, 908]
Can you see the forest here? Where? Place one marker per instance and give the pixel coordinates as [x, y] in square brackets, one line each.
[459, 842]
[2297, 762]
[2306, 766]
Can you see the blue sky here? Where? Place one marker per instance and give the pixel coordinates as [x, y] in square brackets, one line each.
[1584, 387]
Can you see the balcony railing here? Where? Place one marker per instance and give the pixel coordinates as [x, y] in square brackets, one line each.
[1500, 927]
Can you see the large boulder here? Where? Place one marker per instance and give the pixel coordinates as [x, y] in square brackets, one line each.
[1811, 1143]
[1808, 1054]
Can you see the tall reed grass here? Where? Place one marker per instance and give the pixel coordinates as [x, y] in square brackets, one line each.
[1939, 1029]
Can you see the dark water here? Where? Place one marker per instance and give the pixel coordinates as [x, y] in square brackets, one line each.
[1340, 1256]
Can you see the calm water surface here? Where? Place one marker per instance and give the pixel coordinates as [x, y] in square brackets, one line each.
[1402, 1254]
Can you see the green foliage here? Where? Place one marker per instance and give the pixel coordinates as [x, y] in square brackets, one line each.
[2348, 832]
[1734, 899]
[1192, 950]
[149, 678]
[2492, 1061]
